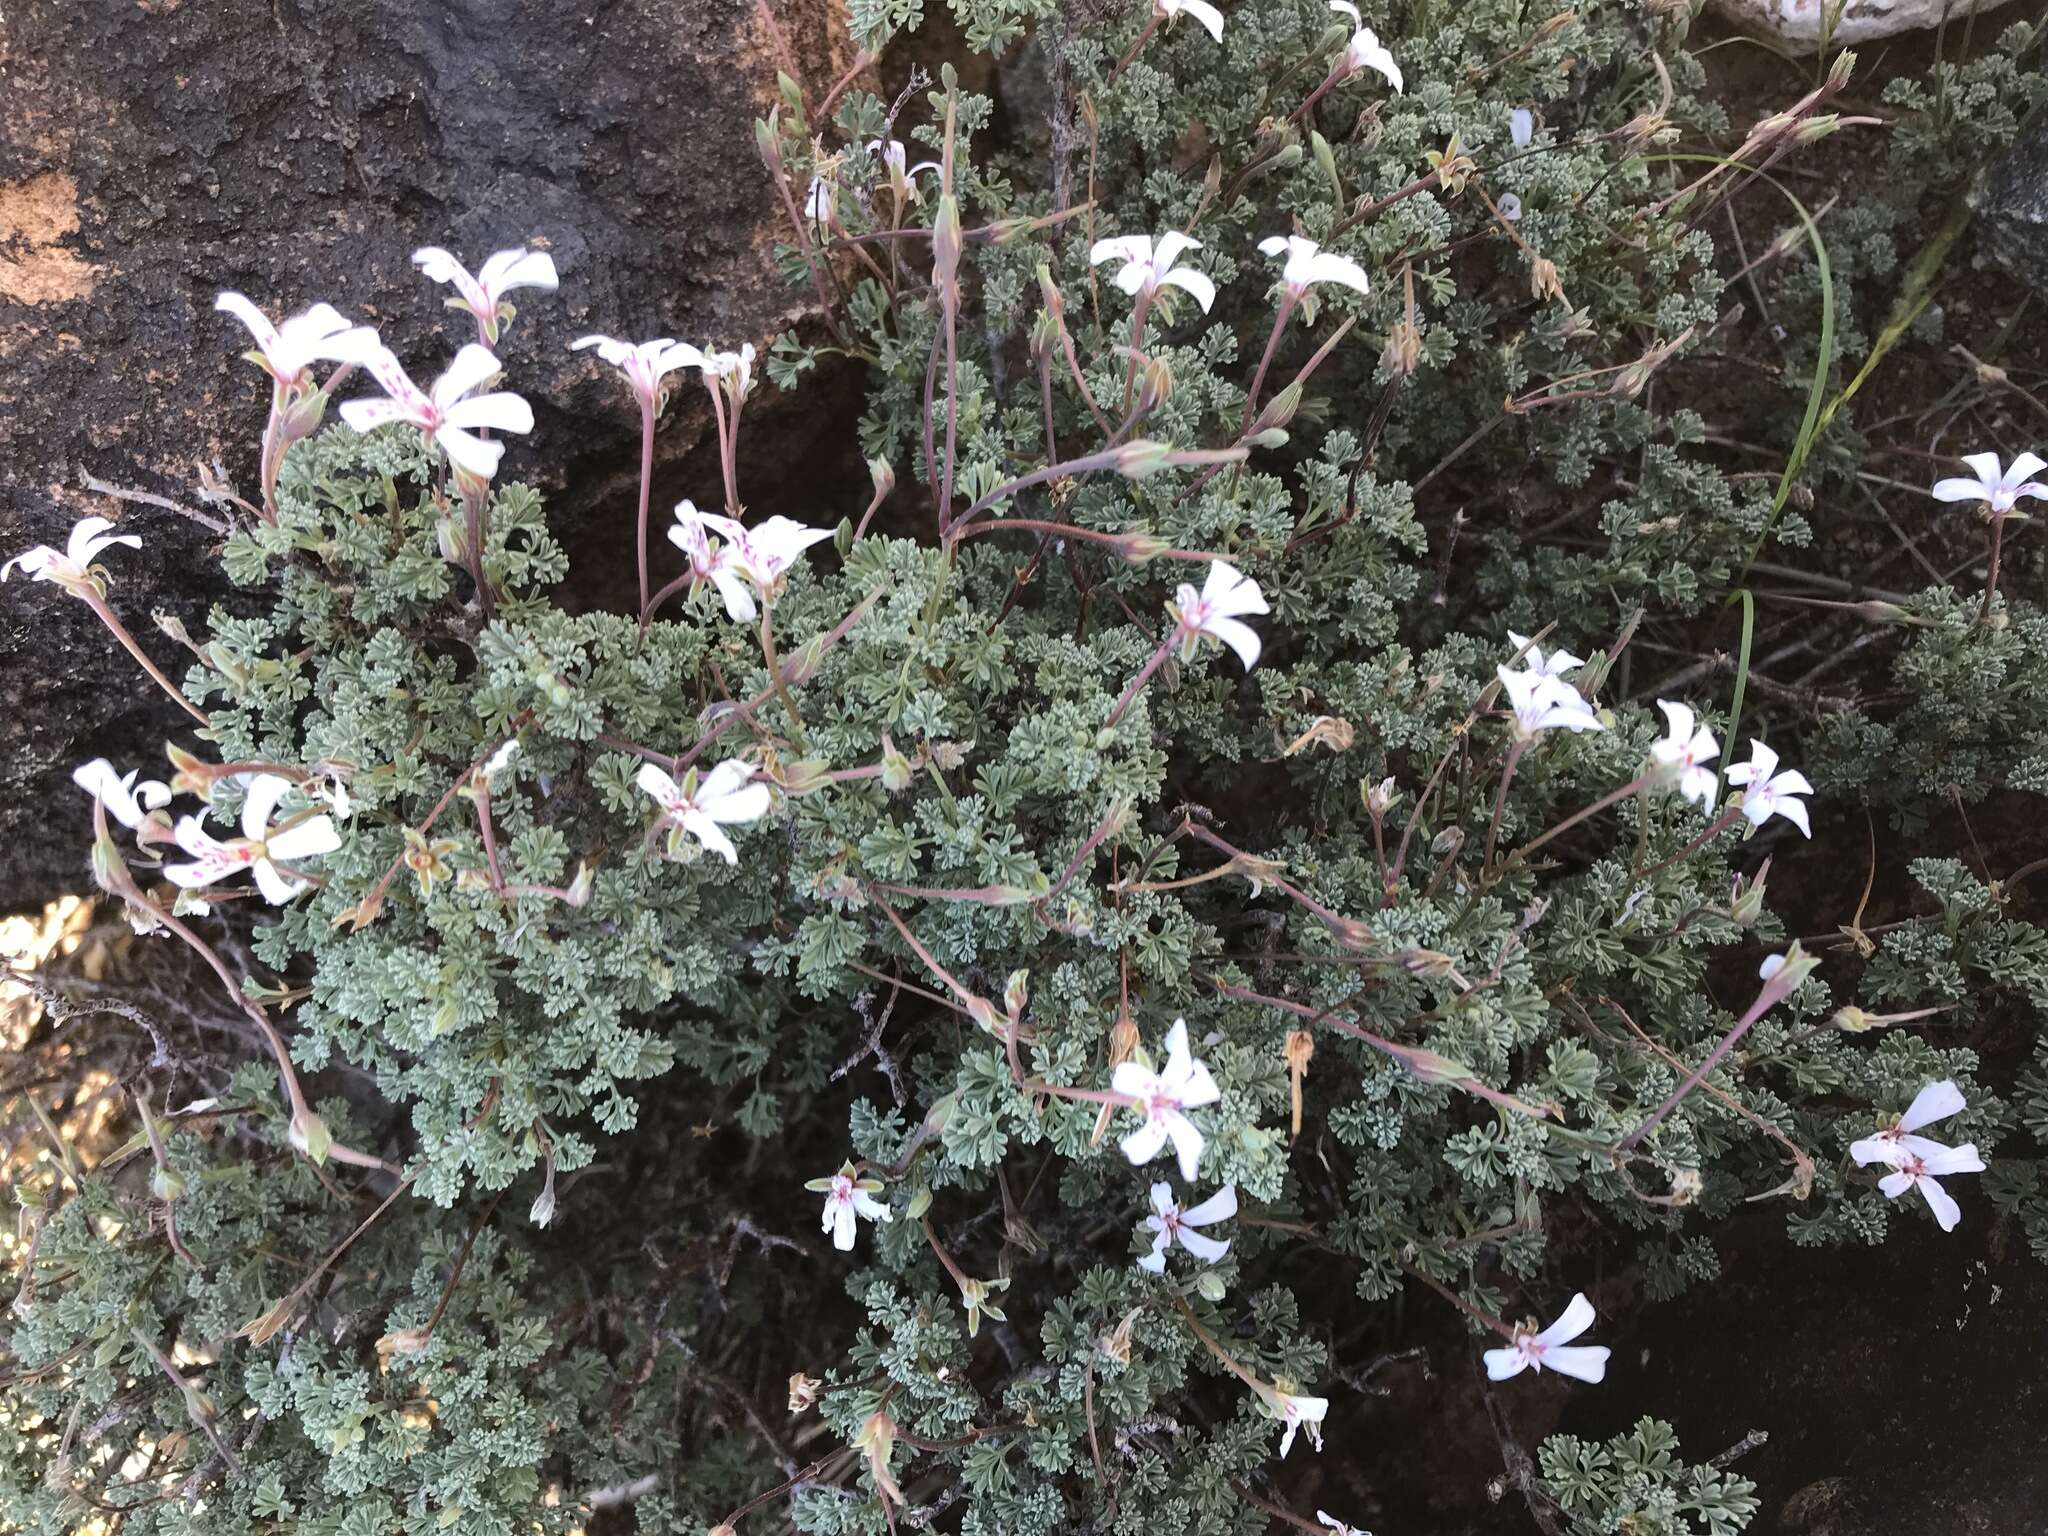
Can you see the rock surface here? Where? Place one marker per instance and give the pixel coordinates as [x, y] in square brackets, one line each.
[1802, 23]
[153, 152]
[2012, 206]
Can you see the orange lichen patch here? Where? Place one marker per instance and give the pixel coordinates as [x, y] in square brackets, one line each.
[35, 216]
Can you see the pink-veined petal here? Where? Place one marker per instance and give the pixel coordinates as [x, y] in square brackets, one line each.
[1120, 248]
[1937, 1101]
[1143, 1144]
[664, 790]
[253, 319]
[1895, 1184]
[368, 415]
[1503, 1363]
[1133, 1081]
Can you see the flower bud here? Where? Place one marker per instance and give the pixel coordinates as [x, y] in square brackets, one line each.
[896, 768]
[166, 1185]
[1017, 993]
[1853, 1020]
[309, 1134]
[1746, 898]
[1379, 798]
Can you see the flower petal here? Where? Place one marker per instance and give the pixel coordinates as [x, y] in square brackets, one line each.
[1577, 1317]
[1588, 1362]
[1220, 1206]
[310, 839]
[1936, 1101]
[259, 803]
[1946, 1212]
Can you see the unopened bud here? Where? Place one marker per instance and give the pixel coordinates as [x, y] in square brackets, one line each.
[883, 474]
[1379, 798]
[1746, 899]
[1281, 409]
[166, 1185]
[309, 1134]
[1853, 1020]
[1017, 993]
[896, 768]
[1123, 1039]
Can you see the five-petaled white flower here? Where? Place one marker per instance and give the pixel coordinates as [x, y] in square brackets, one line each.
[724, 798]
[126, 801]
[644, 363]
[1164, 1098]
[1203, 12]
[484, 294]
[286, 351]
[845, 1198]
[1309, 264]
[259, 848]
[1364, 50]
[1918, 1160]
[896, 160]
[1227, 594]
[1542, 700]
[449, 414]
[1769, 792]
[1556, 664]
[1552, 1349]
[1997, 489]
[1168, 1221]
[1297, 1412]
[71, 566]
[1148, 264]
[1681, 753]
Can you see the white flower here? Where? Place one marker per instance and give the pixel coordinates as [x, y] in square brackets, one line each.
[1543, 701]
[724, 798]
[126, 801]
[1203, 12]
[1163, 1098]
[1546, 1351]
[1556, 664]
[1365, 51]
[1309, 264]
[484, 294]
[1682, 752]
[763, 555]
[1770, 793]
[820, 201]
[1148, 263]
[1998, 489]
[258, 848]
[288, 350]
[897, 160]
[72, 566]
[1917, 1160]
[845, 1198]
[451, 413]
[1338, 1527]
[1168, 1221]
[1227, 593]
[500, 760]
[735, 369]
[719, 566]
[1521, 127]
[644, 363]
[1299, 1413]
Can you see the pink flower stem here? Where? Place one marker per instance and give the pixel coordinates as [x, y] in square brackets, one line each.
[1139, 313]
[1991, 576]
[273, 453]
[1318, 93]
[1614, 797]
[796, 721]
[1158, 660]
[1500, 800]
[1765, 998]
[1715, 828]
[725, 446]
[99, 606]
[1052, 448]
[114, 876]
[482, 795]
[646, 494]
[1137, 43]
[1288, 304]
